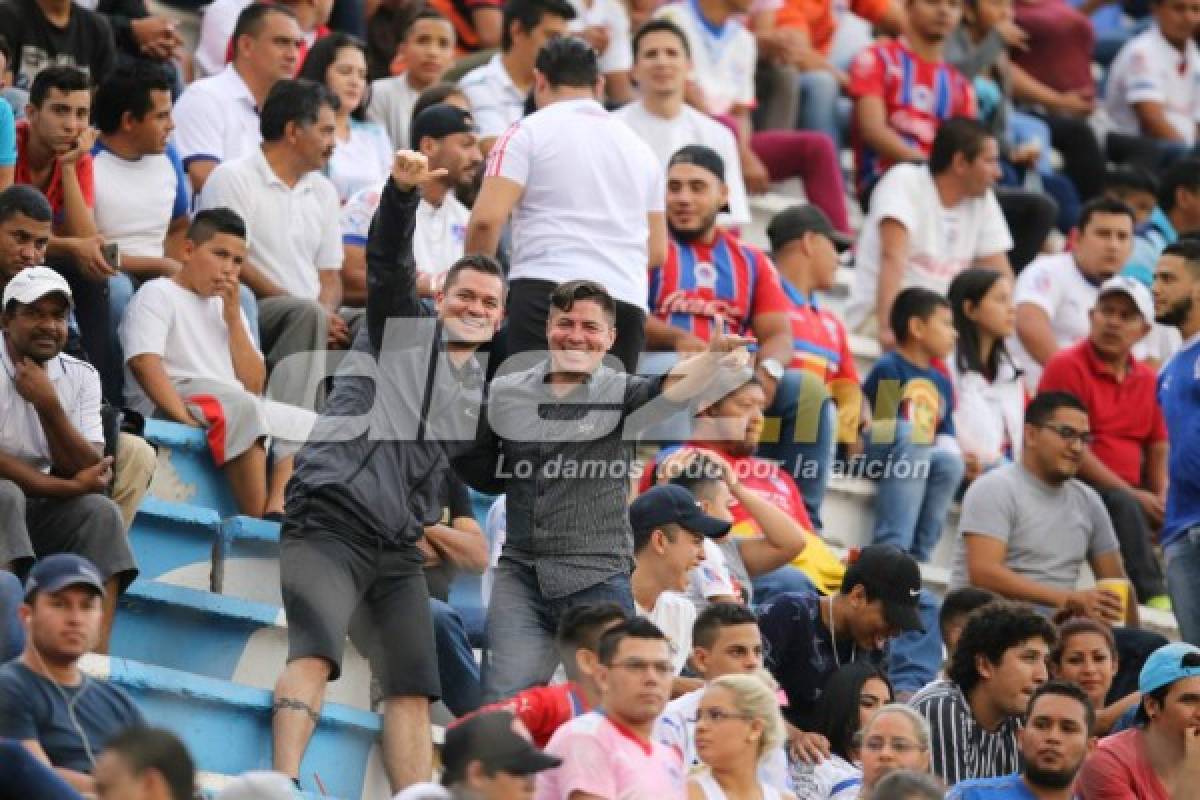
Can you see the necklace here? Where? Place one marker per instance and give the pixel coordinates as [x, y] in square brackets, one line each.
[837, 659]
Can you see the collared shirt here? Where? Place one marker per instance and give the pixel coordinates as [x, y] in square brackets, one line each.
[84, 172]
[392, 101]
[77, 385]
[440, 237]
[962, 749]
[496, 102]
[1056, 285]
[216, 119]
[293, 232]
[1149, 69]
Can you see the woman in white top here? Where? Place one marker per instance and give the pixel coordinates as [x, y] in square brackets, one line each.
[362, 154]
[896, 738]
[737, 723]
[989, 393]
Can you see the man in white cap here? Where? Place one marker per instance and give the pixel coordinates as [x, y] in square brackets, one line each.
[53, 473]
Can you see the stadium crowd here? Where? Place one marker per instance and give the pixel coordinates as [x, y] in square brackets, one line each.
[387, 254]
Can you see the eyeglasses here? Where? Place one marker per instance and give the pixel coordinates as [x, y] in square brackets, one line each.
[662, 669]
[876, 744]
[716, 715]
[1069, 434]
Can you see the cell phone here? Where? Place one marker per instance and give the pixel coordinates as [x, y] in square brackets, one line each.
[112, 254]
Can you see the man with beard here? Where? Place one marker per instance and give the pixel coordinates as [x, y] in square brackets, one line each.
[1056, 739]
[1177, 302]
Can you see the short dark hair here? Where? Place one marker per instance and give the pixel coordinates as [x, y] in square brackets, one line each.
[1183, 174]
[158, 749]
[321, 57]
[252, 20]
[957, 135]
[20, 198]
[1130, 178]
[913, 303]
[433, 95]
[566, 295]
[838, 715]
[699, 476]
[961, 602]
[299, 101]
[989, 632]
[1188, 249]
[1042, 407]
[660, 25]
[422, 13]
[528, 14]
[709, 622]
[568, 61]
[476, 262]
[632, 628]
[61, 77]
[1104, 205]
[212, 221]
[641, 536]
[905, 784]
[127, 89]
[581, 626]
[1065, 689]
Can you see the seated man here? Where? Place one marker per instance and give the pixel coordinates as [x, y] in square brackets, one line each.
[192, 360]
[957, 605]
[153, 759]
[42, 36]
[62, 716]
[428, 51]
[1126, 461]
[52, 470]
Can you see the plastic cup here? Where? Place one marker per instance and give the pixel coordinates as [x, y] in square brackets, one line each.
[1122, 589]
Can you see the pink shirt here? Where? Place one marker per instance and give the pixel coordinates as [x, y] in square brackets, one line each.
[1119, 770]
[604, 758]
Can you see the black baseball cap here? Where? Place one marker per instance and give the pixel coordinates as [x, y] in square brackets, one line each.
[56, 572]
[439, 121]
[700, 156]
[669, 503]
[491, 737]
[891, 575]
[794, 222]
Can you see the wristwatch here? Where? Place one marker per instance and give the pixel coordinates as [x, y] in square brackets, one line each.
[772, 367]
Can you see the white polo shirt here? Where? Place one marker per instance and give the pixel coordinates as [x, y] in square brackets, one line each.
[136, 201]
[77, 385]
[392, 102]
[216, 119]
[665, 136]
[590, 183]
[1150, 70]
[293, 232]
[610, 14]
[496, 102]
[216, 28]
[1054, 284]
[440, 236]
[722, 62]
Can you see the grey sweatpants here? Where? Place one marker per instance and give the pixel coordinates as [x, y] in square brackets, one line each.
[293, 332]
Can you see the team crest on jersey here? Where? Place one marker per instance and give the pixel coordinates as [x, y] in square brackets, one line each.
[922, 98]
[706, 275]
[458, 232]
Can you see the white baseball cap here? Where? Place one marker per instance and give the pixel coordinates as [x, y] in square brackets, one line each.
[33, 283]
[1134, 289]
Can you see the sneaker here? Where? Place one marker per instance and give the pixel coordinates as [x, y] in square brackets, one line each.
[1160, 602]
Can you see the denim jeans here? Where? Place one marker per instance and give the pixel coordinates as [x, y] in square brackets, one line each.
[12, 634]
[1183, 583]
[916, 485]
[780, 581]
[521, 624]
[457, 669]
[807, 434]
[818, 92]
[914, 658]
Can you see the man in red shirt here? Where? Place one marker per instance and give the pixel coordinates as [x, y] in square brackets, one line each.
[1127, 459]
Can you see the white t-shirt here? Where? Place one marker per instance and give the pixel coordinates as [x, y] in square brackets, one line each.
[496, 102]
[77, 385]
[136, 201]
[216, 28]
[216, 119]
[610, 14]
[1054, 284]
[1147, 70]
[722, 64]
[942, 242]
[362, 161]
[674, 615]
[438, 241]
[590, 183]
[710, 578]
[292, 232]
[665, 137]
[392, 101]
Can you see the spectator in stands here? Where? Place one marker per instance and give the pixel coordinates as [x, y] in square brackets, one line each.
[1136, 187]
[362, 153]
[12, 636]
[604, 24]
[988, 392]
[194, 361]
[294, 254]
[662, 61]
[1054, 294]
[1153, 87]
[586, 198]
[24, 775]
[479, 25]
[217, 118]
[60, 714]
[1126, 461]
[8, 135]
[1086, 654]
[974, 714]
[905, 784]
[738, 725]
[610, 752]
[722, 84]
[895, 742]
[1177, 302]
[498, 89]
[669, 530]
[1056, 738]
[428, 51]
[1160, 758]
[904, 239]
[957, 605]
[215, 47]
[911, 451]
[52, 430]
[1177, 213]
[55, 33]
[145, 764]
[805, 245]
[357, 504]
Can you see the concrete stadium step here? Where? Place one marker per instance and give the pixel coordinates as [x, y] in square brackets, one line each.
[226, 638]
[227, 727]
[210, 784]
[186, 472]
[168, 537]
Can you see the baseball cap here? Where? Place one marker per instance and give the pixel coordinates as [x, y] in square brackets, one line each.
[1166, 665]
[893, 576]
[56, 572]
[439, 121]
[794, 222]
[33, 283]
[700, 156]
[669, 503]
[492, 738]
[1134, 289]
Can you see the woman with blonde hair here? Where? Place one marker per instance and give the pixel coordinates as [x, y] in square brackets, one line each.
[737, 723]
[896, 738]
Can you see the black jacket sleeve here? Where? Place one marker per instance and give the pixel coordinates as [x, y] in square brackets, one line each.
[391, 268]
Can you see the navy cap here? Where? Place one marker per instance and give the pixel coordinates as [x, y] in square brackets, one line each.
[893, 576]
[439, 121]
[56, 572]
[669, 503]
[492, 737]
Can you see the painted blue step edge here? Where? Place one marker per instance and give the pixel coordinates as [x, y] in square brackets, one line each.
[183, 513]
[250, 529]
[175, 435]
[230, 608]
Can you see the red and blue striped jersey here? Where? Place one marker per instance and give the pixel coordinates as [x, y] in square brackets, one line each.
[918, 95]
[725, 279]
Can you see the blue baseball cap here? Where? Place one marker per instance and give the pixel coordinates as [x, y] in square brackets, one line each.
[671, 504]
[1167, 665]
[56, 572]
